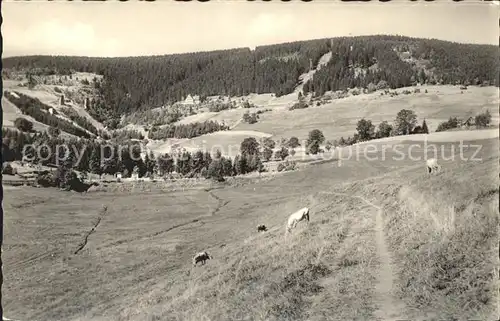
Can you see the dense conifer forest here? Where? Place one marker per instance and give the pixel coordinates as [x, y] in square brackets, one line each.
[138, 83]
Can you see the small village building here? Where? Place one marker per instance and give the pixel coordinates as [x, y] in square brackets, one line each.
[191, 100]
[469, 122]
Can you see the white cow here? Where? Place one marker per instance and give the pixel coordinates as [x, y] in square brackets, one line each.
[432, 165]
[296, 217]
[201, 257]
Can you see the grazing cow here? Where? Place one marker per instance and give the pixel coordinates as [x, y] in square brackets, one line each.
[201, 257]
[432, 165]
[261, 228]
[81, 187]
[296, 217]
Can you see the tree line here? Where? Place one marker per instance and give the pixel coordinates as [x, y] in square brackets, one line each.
[81, 121]
[125, 134]
[405, 123]
[135, 83]
[40, 112]
[97, 157]
[186, 130]
[481, 120]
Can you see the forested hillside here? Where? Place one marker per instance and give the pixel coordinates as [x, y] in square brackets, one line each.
[133, 83]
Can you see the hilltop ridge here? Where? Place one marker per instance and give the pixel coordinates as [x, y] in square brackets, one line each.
[141, 83]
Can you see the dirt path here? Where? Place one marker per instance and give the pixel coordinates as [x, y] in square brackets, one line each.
[389, 308]
[92, 230]
[236, 124]
[220, 202]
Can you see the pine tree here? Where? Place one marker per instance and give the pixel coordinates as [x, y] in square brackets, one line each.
[165, 163]
[147, 162]
[152, 165]
[65, 174]
[425, 130]
[95, 162]
[216, 169]
[240, 165]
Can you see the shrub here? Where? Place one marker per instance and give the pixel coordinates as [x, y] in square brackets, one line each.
[53, 131]
[250, 118]
[313, 148]
[282, 153]
[247, 104]
[384, 130]
[7, 169]
[371, 87]
[299, 105]
[382, 85]
[287, 166]
[293, 142]
[483, 119]
[219, 107]
[47, 179]
[23, 124]
[70, 181]
[451, 123]
[267, 154]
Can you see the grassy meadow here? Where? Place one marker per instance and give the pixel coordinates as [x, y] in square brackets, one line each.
[339, 117]
[433, 237]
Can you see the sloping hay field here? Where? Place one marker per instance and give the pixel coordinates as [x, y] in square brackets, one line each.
[228, 142]
[136, 264]
[340, 117]
[443, 233]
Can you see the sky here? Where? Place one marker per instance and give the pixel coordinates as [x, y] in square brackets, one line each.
[137, 28]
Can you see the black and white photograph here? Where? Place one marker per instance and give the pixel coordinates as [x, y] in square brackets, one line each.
[234, 160]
